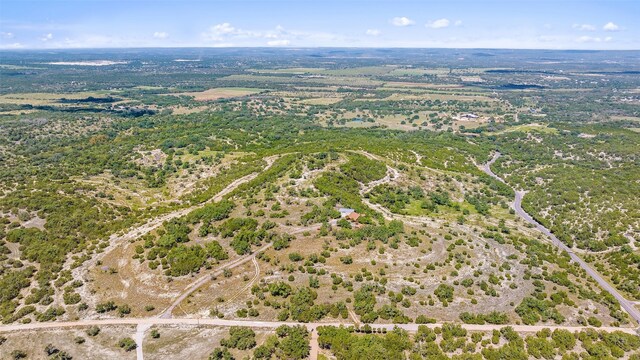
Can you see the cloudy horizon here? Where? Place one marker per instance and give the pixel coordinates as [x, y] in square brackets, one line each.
[527, 24]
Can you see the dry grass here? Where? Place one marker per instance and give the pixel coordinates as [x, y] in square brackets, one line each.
[353, 81]
[191, 343]
[321, 101]
[183, 110]
[104, 346]
[137, 285]
[132, 283]
[219, 93]
[47, 98]
[404, 84]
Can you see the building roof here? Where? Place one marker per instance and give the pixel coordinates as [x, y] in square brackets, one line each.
[354, 216]
[345, 211]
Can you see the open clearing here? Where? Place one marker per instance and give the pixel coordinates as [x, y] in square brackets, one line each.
[48, 98]
[220, 93]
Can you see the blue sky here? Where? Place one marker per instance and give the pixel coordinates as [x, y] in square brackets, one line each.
[559, 24]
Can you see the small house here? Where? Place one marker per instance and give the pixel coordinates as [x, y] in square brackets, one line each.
[354, 216]
[344, 212]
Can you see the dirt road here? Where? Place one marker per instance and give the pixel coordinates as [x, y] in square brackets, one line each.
[134, 233]
[205, 278]
[235, 263]
[274, 324]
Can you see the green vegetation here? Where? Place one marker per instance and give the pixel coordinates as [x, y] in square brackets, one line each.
[443, 342]
[127, 344]
[127, 184]
[363, 169]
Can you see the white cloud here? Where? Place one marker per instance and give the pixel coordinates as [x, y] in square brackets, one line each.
[590, 39]
[282, 42]
[160, 35]
[438, 24]
[224, 28]
[224, 31]
[584, 27]
[220, 32]
[402, 21]
[610, 27]
[6, 35]
[373, 32]
[548, 38]
[47, 37]
[223, 45]
[458, 23]
[12, 46]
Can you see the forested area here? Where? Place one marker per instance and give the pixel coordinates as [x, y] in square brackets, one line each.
[453, 342]
[585, 193]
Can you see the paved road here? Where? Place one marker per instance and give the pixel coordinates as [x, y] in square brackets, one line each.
[274, 324]
[517, 206]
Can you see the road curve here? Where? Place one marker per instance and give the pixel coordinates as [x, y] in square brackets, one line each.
[235, 263]
[116, 240]
[627, 305]
[204, 279]
[148, 322]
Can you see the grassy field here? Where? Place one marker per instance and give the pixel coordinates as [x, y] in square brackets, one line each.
[49, 98]
[220, 93]
[534, 127]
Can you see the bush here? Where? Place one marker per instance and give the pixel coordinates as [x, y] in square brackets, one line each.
[444, 293]
[93, 331]
[346, 260]
[593, 321]
[220, 354]
[18, 354]
[127, 344]
[106, 307]
[421, 319]
[242, 338]
[294, 256]
[124, 310]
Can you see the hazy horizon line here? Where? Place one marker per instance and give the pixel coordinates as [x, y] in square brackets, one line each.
[306, 47]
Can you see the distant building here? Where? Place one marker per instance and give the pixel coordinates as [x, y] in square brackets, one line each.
[344, 212]
[354, 216]
[469, 116]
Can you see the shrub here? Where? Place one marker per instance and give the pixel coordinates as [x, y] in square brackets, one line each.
[127, 344]
[93, 331]
[242, 338]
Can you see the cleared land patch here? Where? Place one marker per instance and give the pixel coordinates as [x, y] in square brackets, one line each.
[220, 93]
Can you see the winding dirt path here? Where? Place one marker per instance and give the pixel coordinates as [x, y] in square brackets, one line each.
[191, 288]
[134, 233]
[167, 314]
[255, 277]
